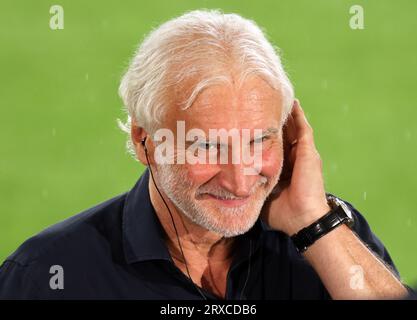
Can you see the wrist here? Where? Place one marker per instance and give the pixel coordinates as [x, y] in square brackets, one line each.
[338, 215]
[297, 224]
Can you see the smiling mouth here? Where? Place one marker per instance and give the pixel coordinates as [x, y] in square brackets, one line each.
[226, 201]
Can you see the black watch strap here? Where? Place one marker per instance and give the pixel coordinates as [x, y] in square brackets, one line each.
[308, 235]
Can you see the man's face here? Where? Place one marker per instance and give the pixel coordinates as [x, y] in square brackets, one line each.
[220, 197]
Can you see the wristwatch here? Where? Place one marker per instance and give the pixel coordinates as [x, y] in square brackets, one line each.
[338, 215]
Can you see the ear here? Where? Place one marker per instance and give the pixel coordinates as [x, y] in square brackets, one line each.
[137, 134]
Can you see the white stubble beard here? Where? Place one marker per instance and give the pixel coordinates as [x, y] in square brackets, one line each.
[229, 221]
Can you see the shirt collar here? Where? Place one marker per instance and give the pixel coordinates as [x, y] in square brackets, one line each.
[143, 234]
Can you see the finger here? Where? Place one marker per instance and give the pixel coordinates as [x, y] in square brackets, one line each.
[289, 129]
[290, 140]
[303, 128]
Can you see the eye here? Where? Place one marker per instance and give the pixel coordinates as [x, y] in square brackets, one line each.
[260, 140]
[208, 146]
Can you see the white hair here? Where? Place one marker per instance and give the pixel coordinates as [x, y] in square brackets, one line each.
[180, 58]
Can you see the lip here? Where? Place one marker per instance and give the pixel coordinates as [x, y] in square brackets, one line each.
[228, 203]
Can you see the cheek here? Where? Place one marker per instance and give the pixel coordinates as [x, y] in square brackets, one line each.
[199, 174]
[272, 160]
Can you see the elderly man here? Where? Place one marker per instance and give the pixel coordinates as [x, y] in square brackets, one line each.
[198, 225]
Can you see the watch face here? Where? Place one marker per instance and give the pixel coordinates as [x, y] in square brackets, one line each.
[345, 208]
[347, 211]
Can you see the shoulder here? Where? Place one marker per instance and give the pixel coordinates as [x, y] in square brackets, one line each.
[89, 235]
[74, 231]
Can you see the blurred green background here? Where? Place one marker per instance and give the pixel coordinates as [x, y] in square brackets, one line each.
[62, 152]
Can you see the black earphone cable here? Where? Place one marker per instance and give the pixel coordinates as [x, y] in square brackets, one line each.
[173, 223]
[178, 238]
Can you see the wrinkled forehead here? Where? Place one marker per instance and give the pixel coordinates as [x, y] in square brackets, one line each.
[252, 105]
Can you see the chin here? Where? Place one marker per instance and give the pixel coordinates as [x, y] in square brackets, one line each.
[230, 225]
[235, 231]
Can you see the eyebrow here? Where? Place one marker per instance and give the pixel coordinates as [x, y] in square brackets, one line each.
[265, 133]
[270, 131]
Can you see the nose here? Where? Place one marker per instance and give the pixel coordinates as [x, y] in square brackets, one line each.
[233, 179]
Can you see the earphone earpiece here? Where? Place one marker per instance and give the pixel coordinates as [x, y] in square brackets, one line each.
[143, 142]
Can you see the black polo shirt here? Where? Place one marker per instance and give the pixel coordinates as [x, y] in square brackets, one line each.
[115, 250]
